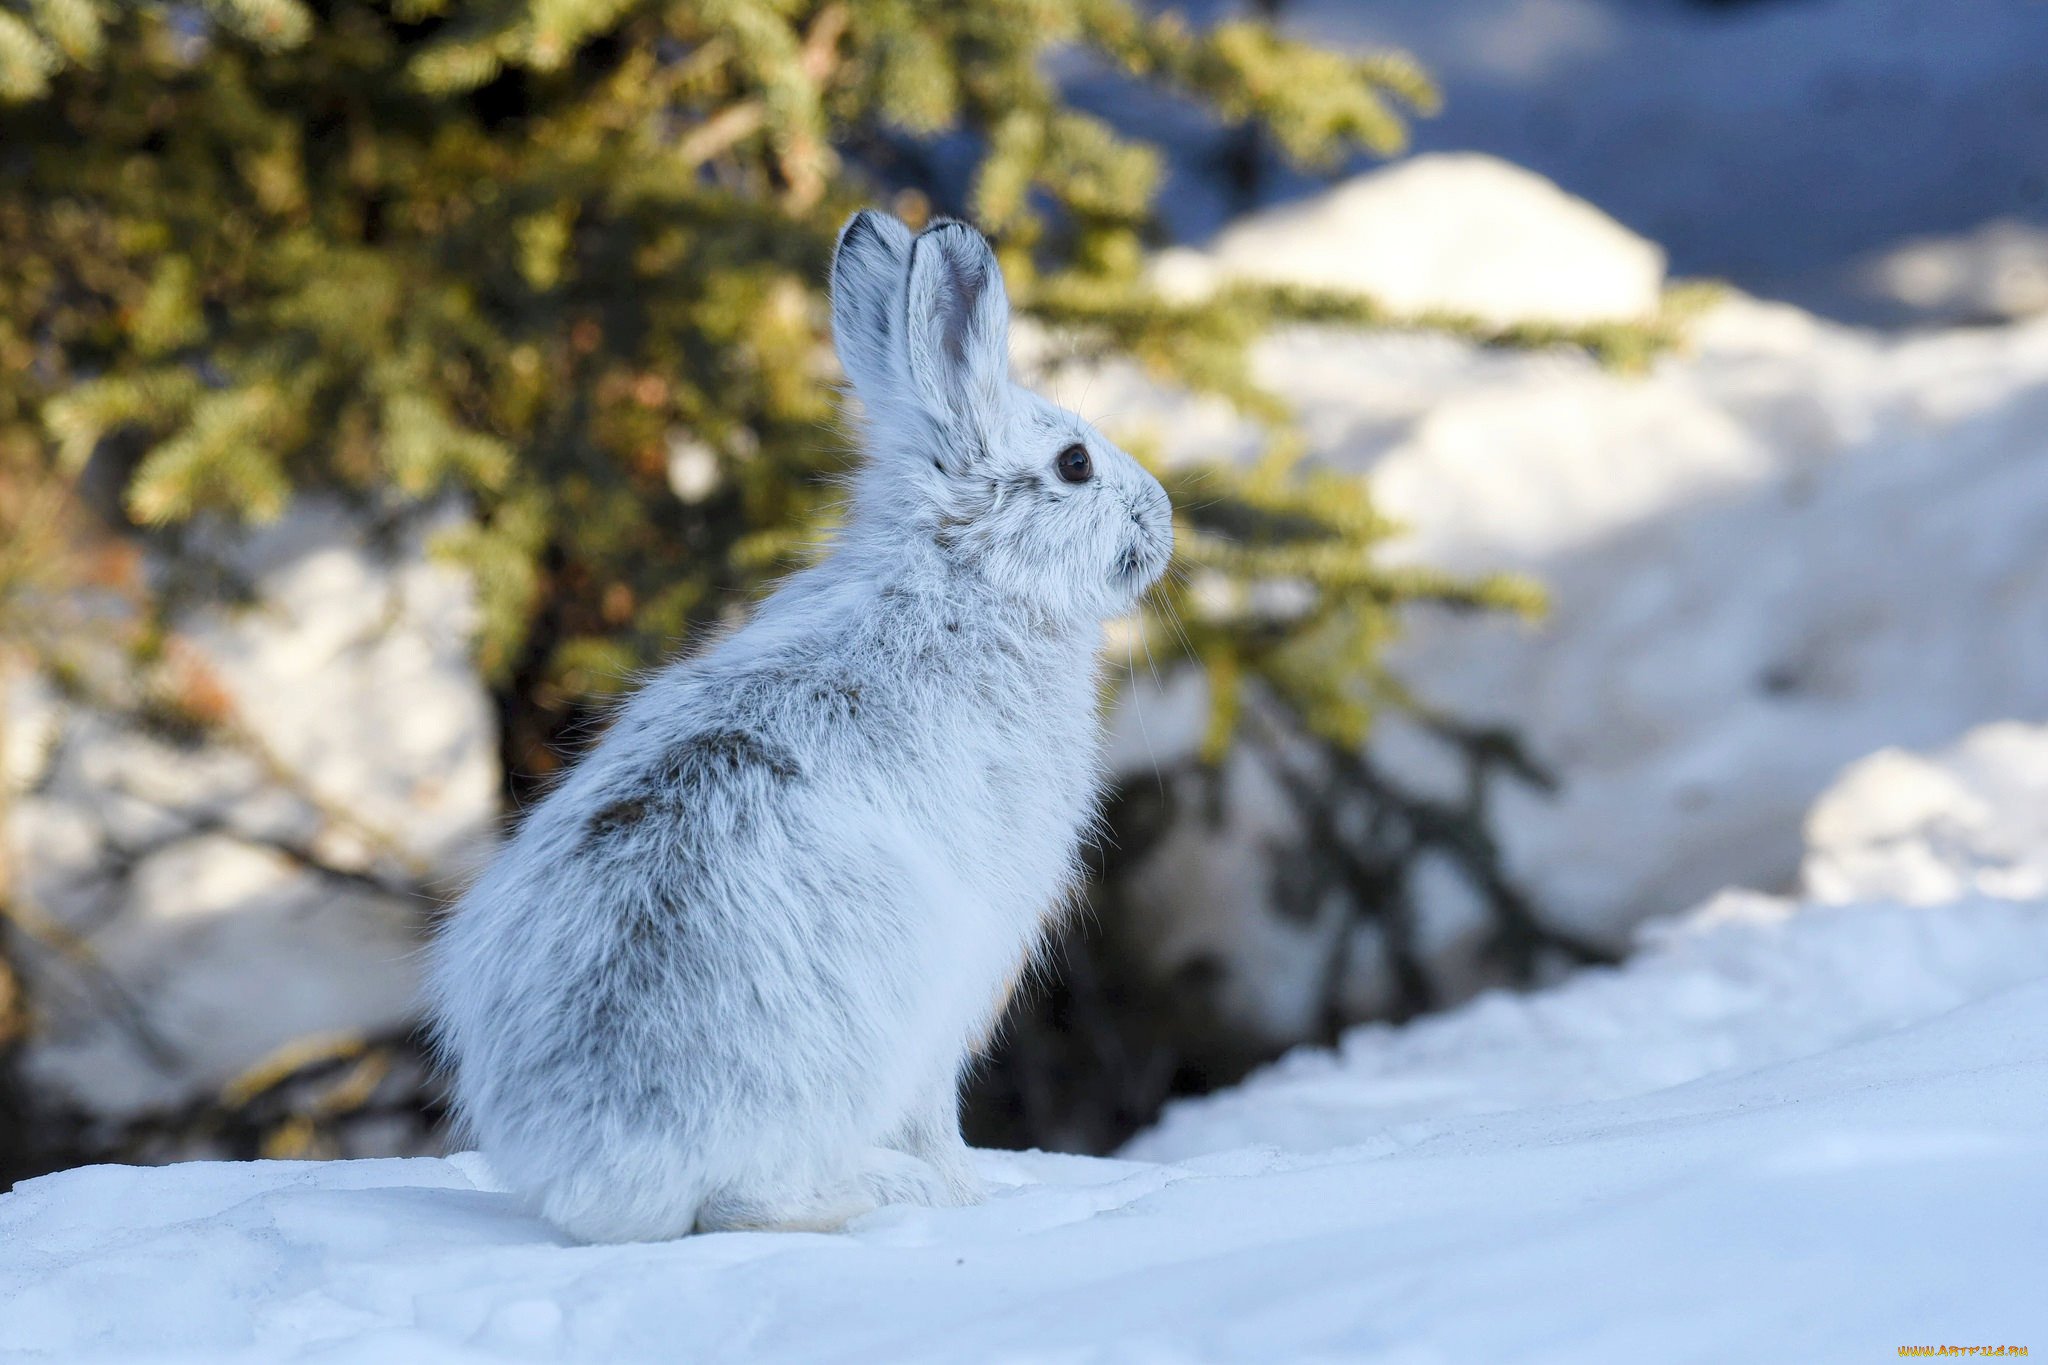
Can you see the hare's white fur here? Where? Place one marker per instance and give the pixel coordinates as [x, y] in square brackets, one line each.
[729, 972]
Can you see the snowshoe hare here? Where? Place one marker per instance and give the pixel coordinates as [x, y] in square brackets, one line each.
[729, 972]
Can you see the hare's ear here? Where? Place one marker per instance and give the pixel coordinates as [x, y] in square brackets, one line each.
[870, 268]
[957, 334]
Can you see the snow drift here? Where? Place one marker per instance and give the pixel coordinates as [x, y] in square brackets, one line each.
[1461, 234]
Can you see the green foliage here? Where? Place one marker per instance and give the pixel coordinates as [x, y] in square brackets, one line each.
[562, 259]
[1317, 647]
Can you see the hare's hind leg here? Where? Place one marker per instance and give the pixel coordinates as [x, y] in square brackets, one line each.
[881, 1176]
[622, 1202]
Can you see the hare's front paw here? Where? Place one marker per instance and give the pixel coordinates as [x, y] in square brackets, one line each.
[889, 1176]
[879, 1176]
[932, 1134]
[954, 1162]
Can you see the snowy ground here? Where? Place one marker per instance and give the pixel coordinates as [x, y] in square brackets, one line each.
[1886, 1191]
[1786, 1130]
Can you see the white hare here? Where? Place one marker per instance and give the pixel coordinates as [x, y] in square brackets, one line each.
[729, 972]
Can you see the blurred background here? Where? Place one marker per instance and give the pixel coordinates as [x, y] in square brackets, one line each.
[1604, 432]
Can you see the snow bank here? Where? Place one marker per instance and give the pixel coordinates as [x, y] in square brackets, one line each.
[1464, 234]
[1747, 981]
[1770, 557]
[1886, 1191]
[1925, 891]
[1787, 546]
[1971, 819]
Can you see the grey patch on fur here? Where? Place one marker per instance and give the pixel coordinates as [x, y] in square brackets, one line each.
[841, 697]
[726, 752]
[623, 814]
[1028, 484]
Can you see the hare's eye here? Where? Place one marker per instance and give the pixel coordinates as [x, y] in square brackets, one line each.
[1074, 465]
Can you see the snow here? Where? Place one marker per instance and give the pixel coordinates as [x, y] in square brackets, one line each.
[1829, 1207]
[1785, 1130]
[1756, 558]
[362, 735]
[1755, 554]
[1993, 272]
[1746, 982]
[1461, 234]
[1924, 890]
[1970, 819]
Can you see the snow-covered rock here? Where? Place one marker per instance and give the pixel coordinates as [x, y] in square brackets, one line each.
[203, 901]
[1465, 234]
[1823, 1195]
[1967, 820]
